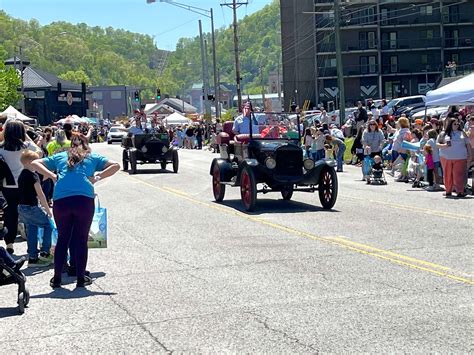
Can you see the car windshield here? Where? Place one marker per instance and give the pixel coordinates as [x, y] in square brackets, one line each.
[276, 126]
[116, 129]
[392, 103]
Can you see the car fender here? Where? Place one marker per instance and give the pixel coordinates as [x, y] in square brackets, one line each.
[225, 167]
[252, 163]
[312, 177]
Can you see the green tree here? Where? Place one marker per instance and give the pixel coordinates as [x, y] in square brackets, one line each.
[9, 83]
[77, 76]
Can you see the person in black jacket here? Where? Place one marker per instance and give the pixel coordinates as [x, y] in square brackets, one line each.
[361, 117]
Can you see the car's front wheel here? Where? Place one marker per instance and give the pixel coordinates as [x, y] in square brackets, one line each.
[125, 160]
[217, 187]
[133, 163]
[175, 161]
[327, 187]
[248, 188]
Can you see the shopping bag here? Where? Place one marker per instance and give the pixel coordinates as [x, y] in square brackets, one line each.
[98, 230]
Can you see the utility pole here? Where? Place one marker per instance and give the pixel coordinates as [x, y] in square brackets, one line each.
[234, 6]
[340, 73]
[263, 88]
[279, 85]
[205, 83]
[207, 76]
[216, 80]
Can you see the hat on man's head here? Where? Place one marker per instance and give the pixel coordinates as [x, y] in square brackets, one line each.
[419, 121]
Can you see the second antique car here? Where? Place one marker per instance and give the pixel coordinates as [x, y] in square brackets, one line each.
[270, 160]
[149, 148]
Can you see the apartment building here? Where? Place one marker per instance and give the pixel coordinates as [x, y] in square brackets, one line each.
[390, 48]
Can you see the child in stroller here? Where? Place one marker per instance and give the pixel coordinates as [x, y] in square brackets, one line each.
[375, 171]
[10, 274]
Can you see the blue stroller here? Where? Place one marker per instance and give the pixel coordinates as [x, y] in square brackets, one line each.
[374, 176]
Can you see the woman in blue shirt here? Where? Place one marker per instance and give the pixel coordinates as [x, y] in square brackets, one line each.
[73, 198]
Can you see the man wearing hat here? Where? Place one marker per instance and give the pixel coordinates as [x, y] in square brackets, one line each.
[242, 122]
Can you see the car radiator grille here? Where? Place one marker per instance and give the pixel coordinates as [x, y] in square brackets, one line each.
[289, 162]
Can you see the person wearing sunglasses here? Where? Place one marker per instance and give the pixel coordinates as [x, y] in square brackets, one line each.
[455, 155]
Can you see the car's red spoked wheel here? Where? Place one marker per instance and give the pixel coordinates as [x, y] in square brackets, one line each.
[327, 187]
[217, 187]
[248, 188]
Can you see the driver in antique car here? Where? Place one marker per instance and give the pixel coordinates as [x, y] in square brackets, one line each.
[136, 127]
[241, 123]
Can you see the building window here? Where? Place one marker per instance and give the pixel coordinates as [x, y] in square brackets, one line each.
[424, 59]
[384, 16]
[393, 40]
[371, 39]
[115, 95]
[363, 65]
[455, 57]
[330, 63]
[427, 34]
[393, 64]
[426, 10]
[372, 64]
[97, 95]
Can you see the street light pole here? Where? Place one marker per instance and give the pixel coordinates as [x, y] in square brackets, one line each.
[204, 71]
[209, 14]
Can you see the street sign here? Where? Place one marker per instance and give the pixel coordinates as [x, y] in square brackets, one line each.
[69, 98]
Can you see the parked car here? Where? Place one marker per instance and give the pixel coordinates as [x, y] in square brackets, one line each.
[408, 110]
[149, 148]
[116, 134]
[395, 104]
[270, 160]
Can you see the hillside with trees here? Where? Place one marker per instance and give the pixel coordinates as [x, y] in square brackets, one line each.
[108, 56]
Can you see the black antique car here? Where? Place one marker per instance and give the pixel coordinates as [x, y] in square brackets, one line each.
[270, 160]
[149, 148]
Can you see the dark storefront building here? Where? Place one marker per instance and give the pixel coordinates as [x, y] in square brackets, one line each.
[114, 101]
[390, 48]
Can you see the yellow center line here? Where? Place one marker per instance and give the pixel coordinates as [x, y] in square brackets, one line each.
[365, 249]
[428, 211]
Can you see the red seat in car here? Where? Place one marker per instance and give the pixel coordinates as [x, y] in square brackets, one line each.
[226, 135]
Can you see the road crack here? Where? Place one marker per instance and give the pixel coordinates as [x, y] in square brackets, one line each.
[265, 322]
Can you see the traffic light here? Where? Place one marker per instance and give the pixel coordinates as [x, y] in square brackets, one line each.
[158, 94]
[137, 96]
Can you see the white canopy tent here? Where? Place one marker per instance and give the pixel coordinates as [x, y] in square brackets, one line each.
[12, 112]
[459, 93]
[176, 119]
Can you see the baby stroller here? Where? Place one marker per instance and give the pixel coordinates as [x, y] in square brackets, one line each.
[374, 176]
[8, 275]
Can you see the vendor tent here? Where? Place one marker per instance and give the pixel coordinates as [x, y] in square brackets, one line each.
[12, 112]
[176, 119]
[459, 92]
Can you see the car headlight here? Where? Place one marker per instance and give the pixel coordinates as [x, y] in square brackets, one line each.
[164, 149]
[144, 150]
[270, 163]
[308, 164]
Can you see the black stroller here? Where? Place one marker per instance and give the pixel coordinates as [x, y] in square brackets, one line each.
[9, 275]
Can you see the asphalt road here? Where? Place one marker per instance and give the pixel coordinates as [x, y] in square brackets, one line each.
[388, 270]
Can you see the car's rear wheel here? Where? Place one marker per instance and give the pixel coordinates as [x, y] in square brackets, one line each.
[175, 161]
[125, 160]
[163, 165]
[248, 188]
[217, 187]
[327, 187]
[133, 163]
[287, 192]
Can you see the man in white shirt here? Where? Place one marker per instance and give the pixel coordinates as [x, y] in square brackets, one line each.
[242, 122]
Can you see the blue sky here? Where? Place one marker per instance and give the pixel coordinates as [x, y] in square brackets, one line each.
[166, 23]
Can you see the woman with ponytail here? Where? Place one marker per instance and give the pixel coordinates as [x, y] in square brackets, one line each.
[78, 169]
